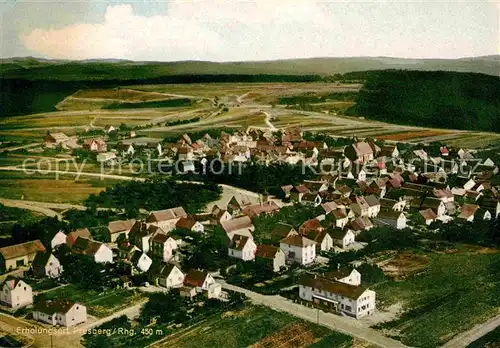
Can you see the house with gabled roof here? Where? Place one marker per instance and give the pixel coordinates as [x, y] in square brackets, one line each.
[236, 204]
[345, 275]
[140, 262]
[340, 217]
[264, 208]
[396, 219]
[428, 215]
[202, 282]
[120, 227]
[282, 230]
[190, 224]
[73, 236]
[360, 224]
[311, 199]
[337, 297]
[373, 205]
[99, 252]
[342, 238]
[299, 249]
[297, 192]
[468, 211]
[16, 293]
[162, 246]
[435, 204]
[166, 219]
[269, 254]
[324, 241]
[14, 256]
[60, 312]
[242, 225]
[310, 225]
[360, 152]
[392, 204]
[56, 239]
[46, 264]
[167, 275]
[52, 139]
[360, 206]
[242, 247]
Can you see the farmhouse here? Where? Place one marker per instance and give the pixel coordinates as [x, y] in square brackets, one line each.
[271, 255]
[95, 145]
[18, 255]
[236, 205]
[16, 293]
[60, 312]
[338, 297]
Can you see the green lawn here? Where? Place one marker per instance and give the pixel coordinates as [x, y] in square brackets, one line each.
[256, 325]
[98, 304]
[452, 294]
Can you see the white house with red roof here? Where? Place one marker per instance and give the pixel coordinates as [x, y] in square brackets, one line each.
[299, 249]
[16, 293]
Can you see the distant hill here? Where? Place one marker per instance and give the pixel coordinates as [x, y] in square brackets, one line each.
[104, 69]
[431, 99]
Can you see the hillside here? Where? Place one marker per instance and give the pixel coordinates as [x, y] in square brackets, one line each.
[432, 99]
[42, 69]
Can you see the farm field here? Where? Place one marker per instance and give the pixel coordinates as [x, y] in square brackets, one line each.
[98, 304]
[45, 188]
[442, 294]
[256, 327]
[248, 105]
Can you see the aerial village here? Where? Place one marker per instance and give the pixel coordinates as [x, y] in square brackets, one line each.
[358, 186]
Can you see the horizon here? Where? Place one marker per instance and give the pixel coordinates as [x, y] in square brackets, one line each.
[259, 30]
[246, 61]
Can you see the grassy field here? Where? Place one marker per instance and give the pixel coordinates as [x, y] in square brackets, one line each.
[98, 304]
[45, 188]
[448, 294]
[245, 102]
[256, 327]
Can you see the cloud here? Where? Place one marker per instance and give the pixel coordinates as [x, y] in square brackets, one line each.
[230, 30]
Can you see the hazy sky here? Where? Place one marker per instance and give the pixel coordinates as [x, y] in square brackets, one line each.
[228, 30]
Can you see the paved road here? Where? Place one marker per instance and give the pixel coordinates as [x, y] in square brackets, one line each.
[465, 338]
[338, 323]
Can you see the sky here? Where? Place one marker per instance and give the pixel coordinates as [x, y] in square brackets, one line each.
[237, 30]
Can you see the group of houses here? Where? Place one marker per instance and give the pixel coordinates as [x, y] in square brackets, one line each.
[359, 186]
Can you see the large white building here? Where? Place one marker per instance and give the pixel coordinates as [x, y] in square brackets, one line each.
[338, 297]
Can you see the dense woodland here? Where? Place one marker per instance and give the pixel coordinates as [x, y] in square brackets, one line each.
[433, 99]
